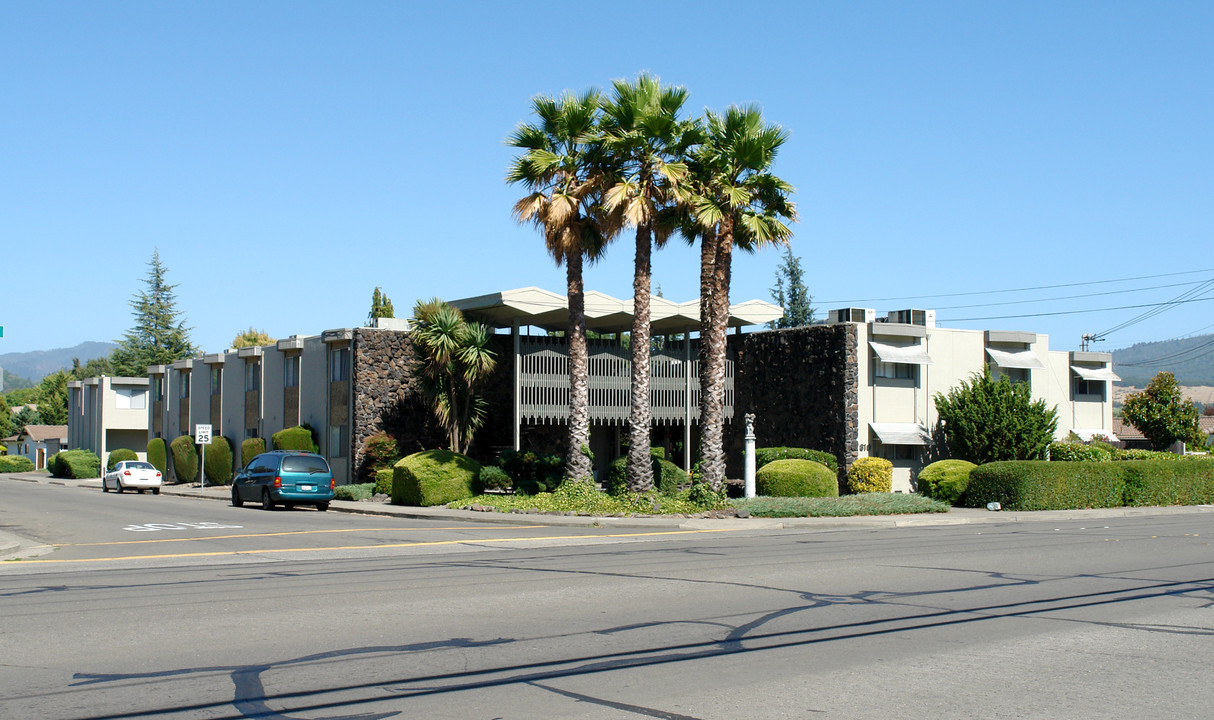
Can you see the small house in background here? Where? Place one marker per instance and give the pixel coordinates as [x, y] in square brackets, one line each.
[38, 443]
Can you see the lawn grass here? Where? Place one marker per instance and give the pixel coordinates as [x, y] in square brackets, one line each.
[845, 506]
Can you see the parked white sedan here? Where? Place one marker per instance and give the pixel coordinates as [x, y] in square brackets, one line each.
[132, 475]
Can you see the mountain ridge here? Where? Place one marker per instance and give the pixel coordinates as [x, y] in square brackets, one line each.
[37, 364]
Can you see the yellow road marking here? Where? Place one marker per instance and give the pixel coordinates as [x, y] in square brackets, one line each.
[289, 532]
[432, 543]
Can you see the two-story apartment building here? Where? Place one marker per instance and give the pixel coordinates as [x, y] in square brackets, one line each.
[108, 413]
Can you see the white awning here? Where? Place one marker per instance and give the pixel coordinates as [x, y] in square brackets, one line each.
[1095, 373]
[901, 433]
[1026, 359]
[1087, 435]
[907, 354]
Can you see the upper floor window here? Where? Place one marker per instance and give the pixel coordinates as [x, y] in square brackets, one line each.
[290, 371]
[157, 388]
[339, 364]
[252, 376]
[899, 371]
[185, 384]
[216, 380]
[1091, 389]
[130, 398]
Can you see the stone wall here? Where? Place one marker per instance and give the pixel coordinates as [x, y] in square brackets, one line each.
[802, 384]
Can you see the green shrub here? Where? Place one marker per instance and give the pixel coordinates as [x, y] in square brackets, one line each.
[767, 455]
[120, 455]
[158, 455]
[702, 494]
[871, 474]
[218, 466]
[383, 482]
[1078, 452]
[659, 452]
[250, 449]
[185, 458]
[1145, 455]
[294, 438]
[433, 477]
[985, 419]
[532, 473]
[379, 452]
[1189, 481]
[362, 491]
[796, 478]
[75, 464]
[945, 480]
[1044, 485]
[15, 464]
[493, 477]
[667, 477]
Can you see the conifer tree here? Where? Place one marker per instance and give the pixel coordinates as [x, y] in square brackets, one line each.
[381, 306]
[159, 336]
[791, 294]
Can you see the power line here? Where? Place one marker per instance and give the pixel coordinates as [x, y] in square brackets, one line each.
[1183, 297]
[1169, 303]
[1066, 297]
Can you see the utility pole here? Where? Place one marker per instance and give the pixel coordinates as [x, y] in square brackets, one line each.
[1086, 339]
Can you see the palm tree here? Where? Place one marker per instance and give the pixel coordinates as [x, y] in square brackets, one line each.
[561, 167]
[455, 360]
[644, 142]
[738, 203]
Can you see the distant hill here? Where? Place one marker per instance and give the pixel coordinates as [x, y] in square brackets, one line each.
[12, 381]
[1191, 360]
[37, 364]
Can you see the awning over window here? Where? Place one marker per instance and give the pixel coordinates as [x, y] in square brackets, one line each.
[1087, 435]
[1026, 359]
[901, 433]
[906, 354]
[1095, 373]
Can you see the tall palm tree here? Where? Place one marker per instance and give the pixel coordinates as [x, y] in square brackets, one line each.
[644, 142]
[560, 166]
[738, 202]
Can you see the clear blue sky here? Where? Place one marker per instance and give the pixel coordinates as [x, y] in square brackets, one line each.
[288, 157]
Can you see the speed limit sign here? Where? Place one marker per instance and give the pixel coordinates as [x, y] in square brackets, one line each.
[202, 434]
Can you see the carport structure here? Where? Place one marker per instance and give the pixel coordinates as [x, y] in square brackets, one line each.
[541, 362]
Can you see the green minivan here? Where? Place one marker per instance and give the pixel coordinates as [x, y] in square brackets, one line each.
[285, 477]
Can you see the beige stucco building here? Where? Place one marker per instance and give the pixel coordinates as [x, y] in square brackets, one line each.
[108, 413]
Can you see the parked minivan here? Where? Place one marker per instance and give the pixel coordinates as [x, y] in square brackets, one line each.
[285, 477]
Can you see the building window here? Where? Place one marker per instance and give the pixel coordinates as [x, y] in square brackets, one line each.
[339, 438]
[1091, 389]
[130, 399]
[339, 365]
[157, 388]
[1015, 375]
[252, 376]
[250, 433]
[895, 371]
[216, 380]
[290, 371]
[185, 385]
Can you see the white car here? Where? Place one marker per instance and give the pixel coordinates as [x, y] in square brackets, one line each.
[132, 475]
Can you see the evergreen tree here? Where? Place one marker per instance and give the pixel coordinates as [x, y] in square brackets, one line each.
[93, 368]
[791, 294]
[381, 307]
[6, 418]
[52, 398]
[25, 416]
[986, 420]
[159, 337]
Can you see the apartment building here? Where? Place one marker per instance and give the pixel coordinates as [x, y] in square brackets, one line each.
[108, 413]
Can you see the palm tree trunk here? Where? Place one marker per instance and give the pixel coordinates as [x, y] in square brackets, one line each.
[577, 461]
[639, 470]
[712, 363]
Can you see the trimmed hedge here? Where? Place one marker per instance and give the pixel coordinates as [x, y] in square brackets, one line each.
[383, 482]
[796, 478]
[871, 474]
[158, 455]
[493, 477]
[361, 491]
[185, 458]
[764, 456]
[945, 480]
[433, 477]
[218, 466]
[1045, 485]
[76, 464]
[1145, 455]
[250, 449]
[532, 473]
[118, 456]
[667, 477]
[294, 438]
[1189, 481]
[15, 464]
[1078, 452]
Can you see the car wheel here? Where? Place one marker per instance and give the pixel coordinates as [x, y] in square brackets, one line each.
[140, 491]
[236, 501]
[266, 502]
[118, 486]
[289, 506]
[104, 486]
[322, 506]
[155, 491]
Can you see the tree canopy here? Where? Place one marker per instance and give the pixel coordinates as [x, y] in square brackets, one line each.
[252, 338]
[159, 336]
[790, 293]
[381, 306]
[52, 398]
[985, 420]
[1162, 414]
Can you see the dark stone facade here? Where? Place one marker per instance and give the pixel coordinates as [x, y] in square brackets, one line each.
[802, 384]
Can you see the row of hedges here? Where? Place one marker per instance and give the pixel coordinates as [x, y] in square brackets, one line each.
[1044, 485]
[801, 477]
[15, 464]
[667, 477]
[1102, 452]
[120, 455]
[74, 464]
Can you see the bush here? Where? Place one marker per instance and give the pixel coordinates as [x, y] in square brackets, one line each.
[433, 477]
[250, 449]
[871, 474]
[667, 477]
[767, 455]
[493, 477]
[15, 464]
[218, 466]
[986, 420]
[1043, 485]
[185, 458]
[532, 473]
[1145, 455]
[120, 455]
[75, 464]
[945, 480]
[1078, 452]
[379, 452]
[796, 478]
[383, 482]
[1189, 481]
[362, 491]
[158, 455]
[294, 438]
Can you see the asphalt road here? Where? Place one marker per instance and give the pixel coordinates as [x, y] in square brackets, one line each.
[1074, 619]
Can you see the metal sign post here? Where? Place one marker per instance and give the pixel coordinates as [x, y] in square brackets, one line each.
[202, 436]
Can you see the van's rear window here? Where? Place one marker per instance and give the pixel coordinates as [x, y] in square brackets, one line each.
[304, 464]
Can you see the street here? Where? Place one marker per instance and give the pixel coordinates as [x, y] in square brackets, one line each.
[176, 607]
